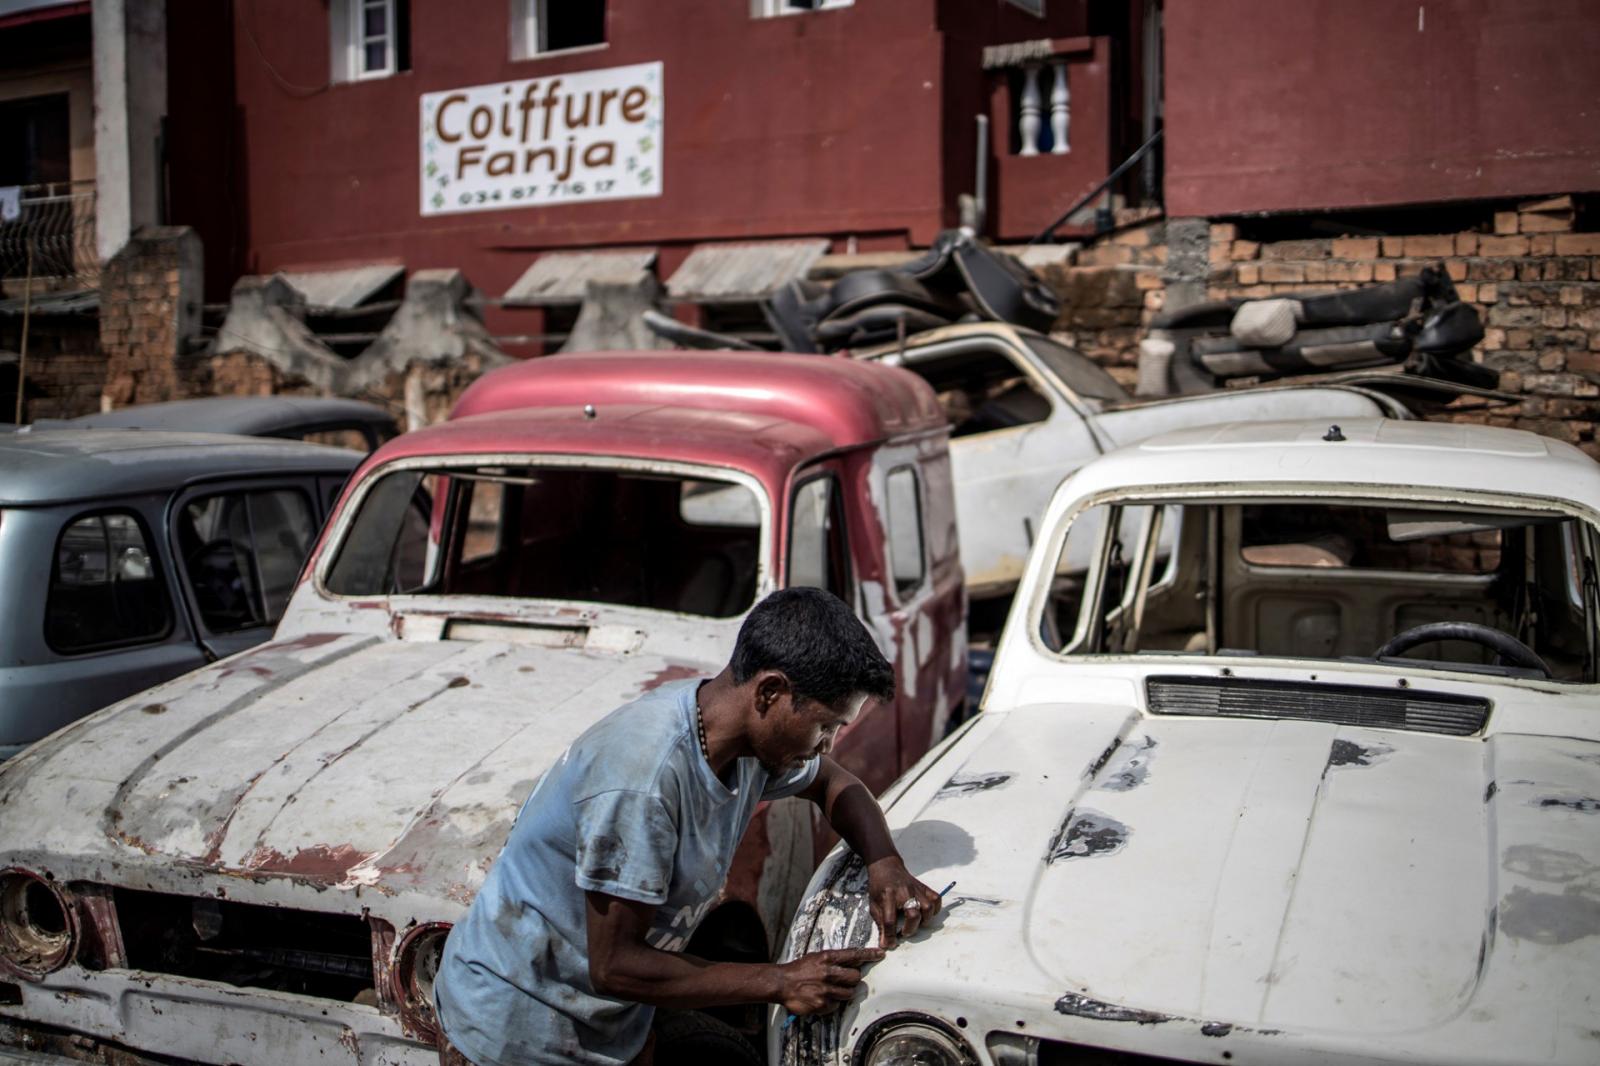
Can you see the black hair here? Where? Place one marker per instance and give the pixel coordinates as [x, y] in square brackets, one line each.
[817, 642]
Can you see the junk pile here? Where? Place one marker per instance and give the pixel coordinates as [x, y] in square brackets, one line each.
[959, 279]
[1417, 324]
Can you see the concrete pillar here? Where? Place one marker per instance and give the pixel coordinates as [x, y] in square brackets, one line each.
[1188, 261]
[130, 101]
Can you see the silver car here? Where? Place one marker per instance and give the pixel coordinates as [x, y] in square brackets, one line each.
[130, 557]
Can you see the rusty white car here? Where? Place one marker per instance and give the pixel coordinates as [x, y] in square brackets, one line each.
[1302, 767]
[1026, 411]
[258, 862]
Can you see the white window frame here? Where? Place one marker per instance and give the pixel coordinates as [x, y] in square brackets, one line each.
[528, 34]
[349, 40]
[766, 9]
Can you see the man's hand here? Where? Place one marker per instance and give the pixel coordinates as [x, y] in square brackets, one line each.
[819, 982]
[898, 900]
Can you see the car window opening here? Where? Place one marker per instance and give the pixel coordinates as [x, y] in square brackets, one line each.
[603, 536]
[982, 391]
[1292, 579]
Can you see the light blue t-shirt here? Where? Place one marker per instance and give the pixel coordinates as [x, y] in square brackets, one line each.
[632, 810]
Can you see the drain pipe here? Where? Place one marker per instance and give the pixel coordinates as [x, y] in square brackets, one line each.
[980, 191]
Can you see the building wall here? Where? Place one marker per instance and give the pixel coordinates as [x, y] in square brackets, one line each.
[821, 123]
[1354, 103]
[1534, 282]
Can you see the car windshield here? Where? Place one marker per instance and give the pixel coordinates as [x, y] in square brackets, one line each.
[598, 535]
[1079, 374]
[1330, 580]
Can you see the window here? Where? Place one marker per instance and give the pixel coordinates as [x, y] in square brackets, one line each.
[541, 26]
[242, 552]
[35, 133]
[905, 530]
[1310, 580]
[657, 541]
[772, 8]
[981, 391]
[105, 589]
[370, 38]
[817, 557]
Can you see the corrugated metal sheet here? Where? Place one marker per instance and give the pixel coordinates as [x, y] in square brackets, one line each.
[742, 271]
[562, 277]
[346, 288]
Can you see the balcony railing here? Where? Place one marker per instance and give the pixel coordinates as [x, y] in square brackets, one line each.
[54, 228]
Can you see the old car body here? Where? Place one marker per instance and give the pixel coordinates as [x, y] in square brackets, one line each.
[1026, 411]
[1214, 809]
[317, 419]
[258, 862]
[130, 558]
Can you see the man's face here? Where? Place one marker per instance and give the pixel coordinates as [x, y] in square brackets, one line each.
[794, 731]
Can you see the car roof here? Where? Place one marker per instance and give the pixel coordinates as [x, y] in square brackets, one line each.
[766, 447]
[848, 403]
[60, 465]
[1373, 451]
[250, 415]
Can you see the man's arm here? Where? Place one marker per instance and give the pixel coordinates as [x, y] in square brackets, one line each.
[622, 965]
[855, 815]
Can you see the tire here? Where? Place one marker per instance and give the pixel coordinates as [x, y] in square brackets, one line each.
[690, 1038]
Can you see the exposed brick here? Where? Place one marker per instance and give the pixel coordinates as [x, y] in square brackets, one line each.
[1138, 237]
[1467, 291]
[1545, 223]
[1431, 247]
[1220, 254]
[1148, 279]
[1383, 271]
[1505, 222]
[1586, 319]
[1245, 249]
[1552, 361]
[1466, 243]
[1293, 250]
[1249, 273]
[1495, 247]
[1494, 338]
[1553, 317]
[1223, 232]
[1491, 270]
[1584, 362]
[1571, 295]
[1393, 247]
[1282, 272]
[1317, 271]
[1578, 244]
[1542, 244]
[1519, 338]
[1456, 269]
[1355, 248]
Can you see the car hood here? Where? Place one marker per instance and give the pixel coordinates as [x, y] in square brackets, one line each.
[334, 760]
[1282, 875]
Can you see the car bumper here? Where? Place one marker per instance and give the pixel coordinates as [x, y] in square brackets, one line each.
[155, 1018]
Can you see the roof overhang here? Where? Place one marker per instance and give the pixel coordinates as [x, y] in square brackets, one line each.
[736, 273]
[563, 277]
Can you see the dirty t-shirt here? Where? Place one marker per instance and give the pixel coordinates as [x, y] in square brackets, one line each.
[632, 810]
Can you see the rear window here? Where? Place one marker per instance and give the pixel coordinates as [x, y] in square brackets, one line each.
[105, 588]
[685, 544]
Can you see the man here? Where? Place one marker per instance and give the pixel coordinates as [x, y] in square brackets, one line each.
[623, 846]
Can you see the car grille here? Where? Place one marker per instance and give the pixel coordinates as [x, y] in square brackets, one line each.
[328, 956]
[1353, 705]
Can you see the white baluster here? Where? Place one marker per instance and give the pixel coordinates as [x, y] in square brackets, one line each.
[1029, 122]
[1060, 114]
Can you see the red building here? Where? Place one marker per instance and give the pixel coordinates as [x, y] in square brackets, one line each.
[475, 135]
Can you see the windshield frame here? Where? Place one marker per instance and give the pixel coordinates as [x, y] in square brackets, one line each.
[1039, 576]
[1039, 345]
[339, 528]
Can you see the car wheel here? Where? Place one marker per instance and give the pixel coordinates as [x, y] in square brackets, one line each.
[690, 1038]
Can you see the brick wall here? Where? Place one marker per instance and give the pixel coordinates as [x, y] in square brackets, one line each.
[65, 372]
[150, 302]
[1534, 281]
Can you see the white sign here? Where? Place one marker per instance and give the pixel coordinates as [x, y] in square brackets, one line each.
[563, 139]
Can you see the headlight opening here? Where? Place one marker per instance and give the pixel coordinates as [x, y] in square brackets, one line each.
[38, 932]
[913, 1040]
[417, 964]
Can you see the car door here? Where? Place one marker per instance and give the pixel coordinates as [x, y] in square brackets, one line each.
[239, 547]
[822, 533]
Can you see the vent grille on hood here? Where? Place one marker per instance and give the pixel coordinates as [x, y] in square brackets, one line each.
[1355, 705]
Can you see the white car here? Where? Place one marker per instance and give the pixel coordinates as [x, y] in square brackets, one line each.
[1303, 767]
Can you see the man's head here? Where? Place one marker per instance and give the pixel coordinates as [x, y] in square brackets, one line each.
[809, 665]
